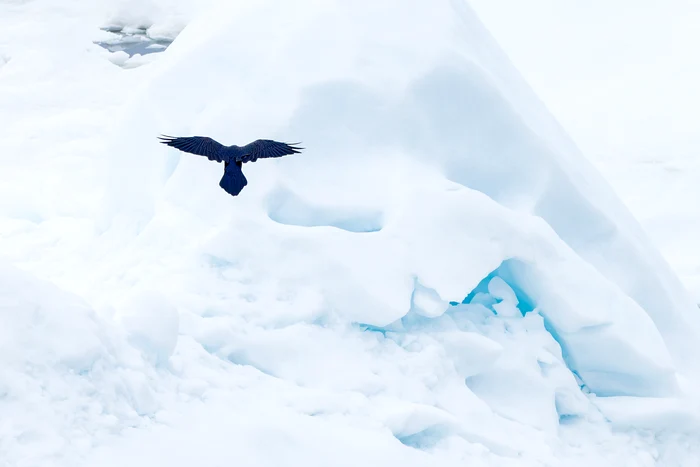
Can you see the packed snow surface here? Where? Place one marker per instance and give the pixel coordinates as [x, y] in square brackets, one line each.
[439, 278]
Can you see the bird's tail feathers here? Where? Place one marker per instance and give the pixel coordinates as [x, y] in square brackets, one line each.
[233, 180]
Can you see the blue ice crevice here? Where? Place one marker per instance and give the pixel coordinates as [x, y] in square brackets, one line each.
[604, 360]
[493, 336]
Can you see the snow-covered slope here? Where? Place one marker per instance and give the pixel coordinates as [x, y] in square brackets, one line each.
[440, 277]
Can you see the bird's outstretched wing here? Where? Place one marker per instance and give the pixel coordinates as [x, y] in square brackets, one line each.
[264, 148]
[233, 180]
[200, 145]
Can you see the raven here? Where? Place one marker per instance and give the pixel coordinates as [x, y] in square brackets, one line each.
[233, 156]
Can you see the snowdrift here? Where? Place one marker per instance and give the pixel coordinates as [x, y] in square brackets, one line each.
[69, 379]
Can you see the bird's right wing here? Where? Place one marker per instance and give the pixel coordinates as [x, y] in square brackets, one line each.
[233, 180]
[200, 145]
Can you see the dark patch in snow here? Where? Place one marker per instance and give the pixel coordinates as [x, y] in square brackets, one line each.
[133, 42]
[568, 419]
[425, 439]
[371, 328]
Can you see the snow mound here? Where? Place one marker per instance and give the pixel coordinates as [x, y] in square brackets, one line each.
[42, 325]
[64, 369]
[398, 122]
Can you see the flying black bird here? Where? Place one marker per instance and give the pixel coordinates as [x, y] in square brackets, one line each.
[233, 156]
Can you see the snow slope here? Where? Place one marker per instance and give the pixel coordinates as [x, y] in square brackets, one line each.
[439, 278]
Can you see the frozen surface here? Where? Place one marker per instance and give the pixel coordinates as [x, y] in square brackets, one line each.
[440, 278]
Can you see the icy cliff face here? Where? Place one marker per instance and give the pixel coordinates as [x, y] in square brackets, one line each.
[440, 276]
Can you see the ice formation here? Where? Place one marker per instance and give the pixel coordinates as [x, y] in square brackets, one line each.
[440, 277]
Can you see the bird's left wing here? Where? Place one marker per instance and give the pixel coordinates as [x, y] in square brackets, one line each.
[264, 148]
[200, 145]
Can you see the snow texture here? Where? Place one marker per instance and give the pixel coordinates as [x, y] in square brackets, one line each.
[440, 278]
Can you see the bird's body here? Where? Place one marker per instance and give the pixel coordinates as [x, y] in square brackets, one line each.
[232, 156]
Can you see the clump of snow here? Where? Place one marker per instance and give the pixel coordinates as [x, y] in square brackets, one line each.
[165, 31]
[119, 57]
[427, 302]
[507, 300]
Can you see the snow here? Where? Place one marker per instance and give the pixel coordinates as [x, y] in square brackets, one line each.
[32, 330]
[67, 378]
[151, 323]
[439, 278]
